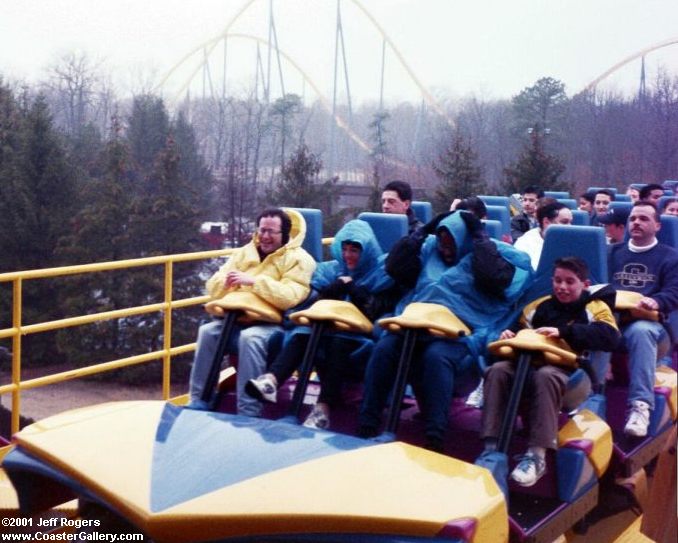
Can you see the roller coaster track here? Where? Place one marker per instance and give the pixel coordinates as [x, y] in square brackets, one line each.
[593, 84]
[208, 47]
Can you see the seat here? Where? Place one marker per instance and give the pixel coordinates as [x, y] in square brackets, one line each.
[313, 241]
[493, 228]
[586, 242]
[621, 205]
[581, 218]
[501, 214]
[496, 200]
[558, 195]
[388, 228]
[622, 198]
[423, 210]
[593, 190]
[668, 233]
[571, 203]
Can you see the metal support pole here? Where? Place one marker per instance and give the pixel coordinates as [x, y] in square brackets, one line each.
[513, 402]
[401, 380]
[209, 394]
[317, 330]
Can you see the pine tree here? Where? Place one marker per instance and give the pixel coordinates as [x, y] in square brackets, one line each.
[534, 167]
[299, 186]
[460, 176]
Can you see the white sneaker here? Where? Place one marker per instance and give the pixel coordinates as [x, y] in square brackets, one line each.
[475, 399]
[638, 419]
[263, 388]
[529, 470]
[318, 419]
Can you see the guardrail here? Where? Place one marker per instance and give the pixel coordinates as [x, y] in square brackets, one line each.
[18, 329]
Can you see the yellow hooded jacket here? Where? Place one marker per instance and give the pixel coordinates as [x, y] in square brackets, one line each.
[282, 278]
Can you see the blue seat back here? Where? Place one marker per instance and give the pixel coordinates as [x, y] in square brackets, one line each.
[668, 233]
[593, 190]
[313, 242]
[501, 214]
[621, 205]
[586, 242]
[622, 198]
[569, 202]
[558, 195]
[493, 228]
[387, 227]
[581, 218]
[495, 200]
[423, 210]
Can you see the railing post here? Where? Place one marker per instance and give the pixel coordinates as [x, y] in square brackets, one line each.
[167, 331]
[17, 301]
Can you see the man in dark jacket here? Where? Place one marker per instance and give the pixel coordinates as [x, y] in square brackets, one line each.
[527, 218]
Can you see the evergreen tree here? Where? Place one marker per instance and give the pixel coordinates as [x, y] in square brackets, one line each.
[299, 186]
[541, 106]
[534, 167]
[378, 156]
[37, 201]
[148, 127]
[460, 176]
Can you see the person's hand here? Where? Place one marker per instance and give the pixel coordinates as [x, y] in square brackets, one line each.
[473, 224]
[431, 226]
[237, 278]
[454, 204]
[334, 291]
[648, 303]
[548, 331]
[507, 334]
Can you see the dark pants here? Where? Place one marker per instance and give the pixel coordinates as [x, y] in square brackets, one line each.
[438, 367]
[544, 390]
[333, 361]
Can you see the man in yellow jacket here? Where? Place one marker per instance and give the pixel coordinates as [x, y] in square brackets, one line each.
[274, 267]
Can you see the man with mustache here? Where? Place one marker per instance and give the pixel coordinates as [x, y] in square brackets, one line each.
[646, 266]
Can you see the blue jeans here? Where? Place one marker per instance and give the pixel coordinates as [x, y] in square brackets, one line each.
[646, 342]
[437, 367]
[251, 346]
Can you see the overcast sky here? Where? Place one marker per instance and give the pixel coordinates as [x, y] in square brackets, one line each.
[492, 48]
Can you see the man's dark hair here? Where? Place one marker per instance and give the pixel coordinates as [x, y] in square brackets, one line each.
[574, 264]
[475, 205]
[647, 190]
[588, 196]
[549, 211]
[285, 222]
[403, 189]
[605, 191]
[533, 189]
[648, 204]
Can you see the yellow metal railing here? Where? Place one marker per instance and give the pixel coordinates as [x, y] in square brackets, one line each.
[18, 329]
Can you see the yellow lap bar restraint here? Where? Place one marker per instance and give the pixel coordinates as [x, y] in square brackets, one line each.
[253, 307]
[342, 316]
[627, 301]
[551, 350]
[435, 319]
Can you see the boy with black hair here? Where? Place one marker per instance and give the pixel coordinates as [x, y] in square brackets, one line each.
[572, 313]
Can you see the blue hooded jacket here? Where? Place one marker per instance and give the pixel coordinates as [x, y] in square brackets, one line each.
[369, 272]
[455, 286]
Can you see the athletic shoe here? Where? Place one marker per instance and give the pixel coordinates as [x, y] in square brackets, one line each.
[263, 388]
[529, 470]
[475, 399]
[638, 419]
[317, 419]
